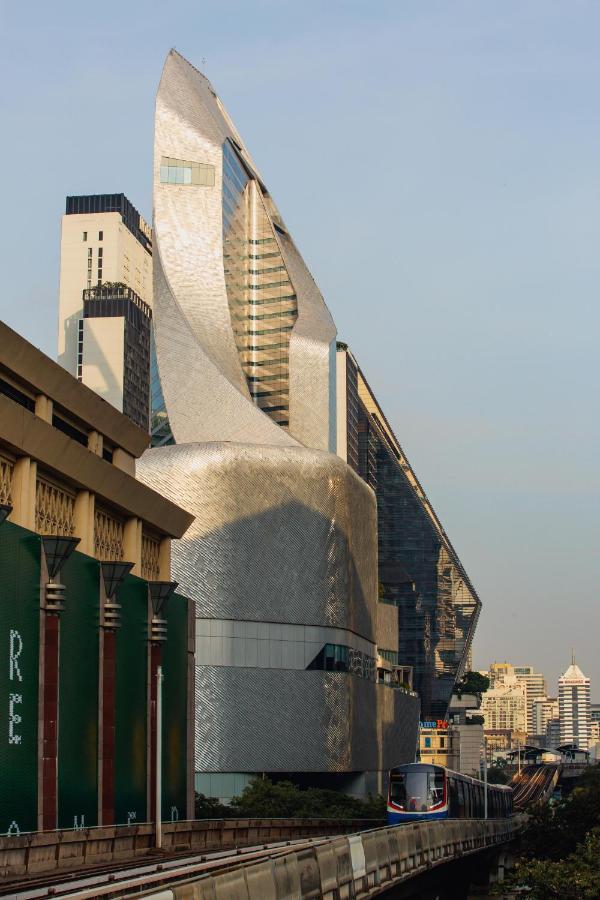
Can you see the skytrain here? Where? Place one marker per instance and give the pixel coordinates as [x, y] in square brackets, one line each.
[419, 791]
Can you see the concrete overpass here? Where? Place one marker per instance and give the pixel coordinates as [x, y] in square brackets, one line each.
[360, 865]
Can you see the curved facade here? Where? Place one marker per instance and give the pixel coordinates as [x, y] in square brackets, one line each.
[233, 300]
[281, 559]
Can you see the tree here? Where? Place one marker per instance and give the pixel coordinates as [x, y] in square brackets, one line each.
[577, 877]
[554, 832]
[210, 808]
[262, 798]
[472, 683]
[496, 775]
[560, 847]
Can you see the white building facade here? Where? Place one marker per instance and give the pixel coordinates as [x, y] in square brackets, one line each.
[535, 684]
[574, 707]
[105, 300]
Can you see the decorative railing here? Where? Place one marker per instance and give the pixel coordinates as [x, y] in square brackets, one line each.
[54, 509]
[6, 475]
[108, 535]
[150, 558]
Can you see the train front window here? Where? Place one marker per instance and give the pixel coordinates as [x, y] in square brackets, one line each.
[417, 791]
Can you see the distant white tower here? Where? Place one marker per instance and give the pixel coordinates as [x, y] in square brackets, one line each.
[574, 707]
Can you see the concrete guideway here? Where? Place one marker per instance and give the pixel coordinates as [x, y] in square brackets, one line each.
[359, 865]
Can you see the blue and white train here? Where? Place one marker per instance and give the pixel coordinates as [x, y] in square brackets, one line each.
[420, 791]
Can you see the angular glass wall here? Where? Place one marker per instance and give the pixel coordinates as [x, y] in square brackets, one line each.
[160, 429]
[438, 610]
[261, 297]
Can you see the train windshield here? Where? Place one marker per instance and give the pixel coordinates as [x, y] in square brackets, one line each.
[417, 791]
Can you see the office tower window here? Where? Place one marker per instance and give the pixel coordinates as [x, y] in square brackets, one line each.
[80, 350]
[100, 235]
[85, 235]
[181, 171]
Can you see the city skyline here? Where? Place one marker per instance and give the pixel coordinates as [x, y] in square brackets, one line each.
[543, 521]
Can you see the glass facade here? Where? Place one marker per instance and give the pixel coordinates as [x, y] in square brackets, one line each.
[182, 171]
[258, 289]
[418, 573]
[339, 658]
[160, 428]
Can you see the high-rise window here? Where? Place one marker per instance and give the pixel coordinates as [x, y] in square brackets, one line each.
[85, 235]
[100, 235]
[182, 171]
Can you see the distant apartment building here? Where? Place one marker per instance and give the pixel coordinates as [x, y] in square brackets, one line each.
[504, 705]
[574, 707]
[544, 710]
[464, 714]
[553, 733]
[535, 683]
[105, 300]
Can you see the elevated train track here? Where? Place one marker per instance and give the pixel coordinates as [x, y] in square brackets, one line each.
[534, 784]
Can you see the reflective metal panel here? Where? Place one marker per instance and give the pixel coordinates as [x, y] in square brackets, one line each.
[257, 720]
[202, 286]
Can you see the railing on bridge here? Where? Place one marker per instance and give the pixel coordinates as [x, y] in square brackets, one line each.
[40, 852]
[359, 865]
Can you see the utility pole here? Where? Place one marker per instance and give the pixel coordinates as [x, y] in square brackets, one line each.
[158, 757]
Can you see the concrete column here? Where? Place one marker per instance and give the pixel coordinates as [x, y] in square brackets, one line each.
[125, 461]
[164, 560]
[132, 544]
[44, 408]
[155, 661]
[106, 764]
[95, 442]
[85, 503]
[23, 492]
[50, 681]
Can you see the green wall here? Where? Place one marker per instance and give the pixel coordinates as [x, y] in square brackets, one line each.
[174, 664]
[130, 703]
[78, 694]
[19, 630]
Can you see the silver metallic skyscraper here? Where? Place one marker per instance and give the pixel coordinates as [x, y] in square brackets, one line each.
[281, 559]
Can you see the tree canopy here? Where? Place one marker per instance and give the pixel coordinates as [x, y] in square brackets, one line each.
[561, 846]
[472, 683]
[262, 798]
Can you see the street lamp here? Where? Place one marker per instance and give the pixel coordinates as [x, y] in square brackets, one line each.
[160, 591]
[57, 550]
[114, 573]
[5, 511]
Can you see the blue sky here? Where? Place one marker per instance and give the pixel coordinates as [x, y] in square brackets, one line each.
[438, 166]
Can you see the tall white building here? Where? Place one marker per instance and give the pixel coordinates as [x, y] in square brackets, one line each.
[105, 300]
[535, 684]
[574, 707]
[544, 710]
[504, 705]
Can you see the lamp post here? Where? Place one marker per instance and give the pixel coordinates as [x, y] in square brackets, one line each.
[159, 592]
[114, 573]
[57, 550]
